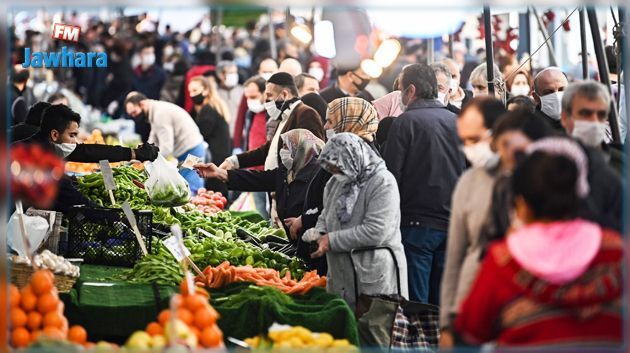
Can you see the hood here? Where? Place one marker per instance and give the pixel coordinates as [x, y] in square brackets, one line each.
[573, 263]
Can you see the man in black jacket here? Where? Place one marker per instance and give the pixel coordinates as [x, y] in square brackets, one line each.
[423, 153]
[549, 86]
[351, 82]
[30, 126]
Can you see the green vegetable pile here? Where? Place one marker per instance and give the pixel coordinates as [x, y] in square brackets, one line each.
[265, 293]
[93, 187]
[171, 195]
[162, 268]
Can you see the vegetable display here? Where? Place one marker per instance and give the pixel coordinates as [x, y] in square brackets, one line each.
[209, 202]
[48, 260]
[224, 274]
[294, 337]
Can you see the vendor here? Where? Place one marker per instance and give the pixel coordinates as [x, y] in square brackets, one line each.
[290, 180]
[173, 130]
[58, 132]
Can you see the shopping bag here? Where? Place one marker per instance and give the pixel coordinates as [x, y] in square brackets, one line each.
[244, 202]
[165, 186]
[36, 229]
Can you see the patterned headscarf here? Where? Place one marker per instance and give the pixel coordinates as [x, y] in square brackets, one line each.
[357, 160]
[352, 114]
[303, 146]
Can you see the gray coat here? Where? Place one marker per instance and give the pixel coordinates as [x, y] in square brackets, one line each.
[375, 221]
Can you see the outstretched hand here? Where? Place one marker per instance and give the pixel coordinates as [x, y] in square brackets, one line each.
[210, 170]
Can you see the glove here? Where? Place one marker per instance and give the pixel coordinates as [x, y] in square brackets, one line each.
[311, 235]
[147, 152]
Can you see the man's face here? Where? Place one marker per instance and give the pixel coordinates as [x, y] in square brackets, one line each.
[229, 70]
[358, 77]
[549, 82]
[443, 86]
[69, 135]
[274, 92]
[584, 109]
[268, 67]
[251, 92]
[470, 127]
[310, 86]
[133, 110]
[508, 144]
[480, 87]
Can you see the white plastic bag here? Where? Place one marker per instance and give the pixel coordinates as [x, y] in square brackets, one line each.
[36, 229]
[165, 185]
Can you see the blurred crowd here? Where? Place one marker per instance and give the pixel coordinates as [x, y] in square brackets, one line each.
[423, 159]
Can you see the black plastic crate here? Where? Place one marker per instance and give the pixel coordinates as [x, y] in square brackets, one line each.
[103, 236]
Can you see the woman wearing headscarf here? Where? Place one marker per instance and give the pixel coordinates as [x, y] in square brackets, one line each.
[349, 114]
[357, 213]
[289, 181]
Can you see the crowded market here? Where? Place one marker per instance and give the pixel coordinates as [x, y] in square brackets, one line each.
[316, 177]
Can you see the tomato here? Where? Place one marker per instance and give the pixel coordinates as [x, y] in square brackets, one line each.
[224, 201]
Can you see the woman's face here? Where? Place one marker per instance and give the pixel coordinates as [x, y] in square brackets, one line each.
[520, 80]
[508, 144]
[195, 88]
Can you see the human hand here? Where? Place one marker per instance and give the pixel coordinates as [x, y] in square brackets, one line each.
[210, 170]
[446, 339]
[295, 226]
[146, 152]
[323, 246]
[226, 165]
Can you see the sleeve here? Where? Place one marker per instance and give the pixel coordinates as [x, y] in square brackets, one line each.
[19, 110]
[481, 309]
[395, 152]
[163, 138]
[321, 220]
[255, 157]
[252, 180]
[310, 120]
[314, 201]
[239, 124]
[375, 224]
[92, 153]
[456, 246]
[207, 120]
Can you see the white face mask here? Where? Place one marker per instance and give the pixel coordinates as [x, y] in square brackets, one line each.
[520, 91]
[169, 67]
[64, 149]
[285, 157]
[255, 106]
[316, 72]
[231, 79]
[148, 60]
[550, 104]
[272, 110]
[168, 51]
[342, 178]
[591, 133]
[266, 75]
[478, 154]
[441, 98]
[454, 86]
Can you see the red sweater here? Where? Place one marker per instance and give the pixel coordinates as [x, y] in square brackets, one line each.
[510, 306]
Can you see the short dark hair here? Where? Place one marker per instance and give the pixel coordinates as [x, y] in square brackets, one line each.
[258, 80]
[56, 96]
[34, 116]
[135, 98]
[58, 117]
[422, 77]
[522, 120]
[285, 81]
[301, 78]
[489, 107]
[547, 183]
[523, 102]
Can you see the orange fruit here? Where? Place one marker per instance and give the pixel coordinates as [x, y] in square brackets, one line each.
[195, 331]
[28, 301]
[53, 319]
[34, 320]
[185, 315]
[164, 316]
[18, 318]
[20, 337]
[14, 296]
[47, 302]
[204, 318]
[211, 336]
[195, 302]
[183, 287]
[35, 335]
[53, 333]
[26, 289]
[42, 282]
[77, 334]
[154, 329]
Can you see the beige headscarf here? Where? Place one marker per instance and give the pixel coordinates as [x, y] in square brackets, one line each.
[352, 114]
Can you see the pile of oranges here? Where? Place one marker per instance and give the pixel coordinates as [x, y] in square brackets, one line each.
[36, 311]
[195, 311]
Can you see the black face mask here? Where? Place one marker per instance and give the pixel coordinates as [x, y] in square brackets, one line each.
[21, 77]
[198, 99]
[361, 86]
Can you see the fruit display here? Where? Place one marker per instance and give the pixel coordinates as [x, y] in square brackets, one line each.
[209, 202]
[195, 324]
[162, 268]
[298, 337]
[224, 274]
[37, 313]
[48, 260]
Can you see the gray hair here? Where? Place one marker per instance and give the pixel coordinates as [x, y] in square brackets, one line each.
[224, 64]
[481, 73]
[441, 68]
[589, 89]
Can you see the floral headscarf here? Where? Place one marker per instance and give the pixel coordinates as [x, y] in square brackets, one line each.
[352, 114]
[303, 146]
[352, 156]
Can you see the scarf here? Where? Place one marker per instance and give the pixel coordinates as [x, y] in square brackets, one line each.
[352, 114]
[302, 146]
